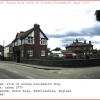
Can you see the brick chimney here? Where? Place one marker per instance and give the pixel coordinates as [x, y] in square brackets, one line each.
[36, 26]
[84, 41]
[90, 42]
[76, 41]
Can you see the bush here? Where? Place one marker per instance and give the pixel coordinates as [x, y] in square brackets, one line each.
[28, 55]
[83, 57]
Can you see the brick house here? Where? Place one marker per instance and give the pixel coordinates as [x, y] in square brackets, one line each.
[32, 41]
[7, 51]
[87, 47]
[1, 50]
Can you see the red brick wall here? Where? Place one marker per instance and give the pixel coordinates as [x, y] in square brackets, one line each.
[87, 47]
[28, 47]
[36, 43]
[36, 47]
[44, 47]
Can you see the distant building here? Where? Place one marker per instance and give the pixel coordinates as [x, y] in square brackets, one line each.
[7, 52]
[1, 50]
[87, 47]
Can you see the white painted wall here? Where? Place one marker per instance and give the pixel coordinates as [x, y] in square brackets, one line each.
[41, 36]
[22, 41]
[26, 41]
[6, 51]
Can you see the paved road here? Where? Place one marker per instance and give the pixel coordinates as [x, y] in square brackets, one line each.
[23, 71]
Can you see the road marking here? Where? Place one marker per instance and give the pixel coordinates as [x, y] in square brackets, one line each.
[67, 73]
[51, 70]
[5, 76]
[78, 74]
[12, 71]
[9, 69]
[29, 77]
[90, 72]
[86, 77]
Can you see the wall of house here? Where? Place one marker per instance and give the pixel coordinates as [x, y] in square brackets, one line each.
[36, 46]
[28, 47]
[87, 48]
[41, 36]
[36, 43]
[1, 49]
[21, 47]
[6, 51]
[44, 47]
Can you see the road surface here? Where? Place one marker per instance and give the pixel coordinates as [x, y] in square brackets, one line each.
[18, 71]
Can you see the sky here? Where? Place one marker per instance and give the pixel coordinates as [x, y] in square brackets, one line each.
[61, 23]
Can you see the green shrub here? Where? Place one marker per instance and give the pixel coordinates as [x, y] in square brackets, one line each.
[83, 57]
[28, 55]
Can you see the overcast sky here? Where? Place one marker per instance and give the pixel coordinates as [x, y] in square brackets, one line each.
[61, 23]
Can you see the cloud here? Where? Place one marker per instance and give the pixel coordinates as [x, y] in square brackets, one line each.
[61, 24]
[87, 34]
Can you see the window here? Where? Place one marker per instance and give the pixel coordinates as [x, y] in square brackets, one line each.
[30, 52]
[84, 48]
[19, 42]
[23, 41]
[30, 40]
[90, 48]
[43, 41]
[12, 44]
[15, 43]
[42, 52]
[21, 53]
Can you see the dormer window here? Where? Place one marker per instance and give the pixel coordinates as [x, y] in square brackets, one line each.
[30, 40]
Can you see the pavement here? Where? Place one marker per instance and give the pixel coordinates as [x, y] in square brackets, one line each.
[34, 66]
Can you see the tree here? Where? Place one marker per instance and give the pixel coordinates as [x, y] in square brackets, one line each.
[49, 50]
[97, 14]
[79, 52]
[57, 49]
[95, 51]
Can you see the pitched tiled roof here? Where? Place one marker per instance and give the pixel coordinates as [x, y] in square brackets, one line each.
[79, 44]
[23, 34]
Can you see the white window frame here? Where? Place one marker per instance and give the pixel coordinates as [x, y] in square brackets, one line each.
[22, 53]
[43, 41]
[90, 48]
[30, 40]
[30, 52]
[42, 52]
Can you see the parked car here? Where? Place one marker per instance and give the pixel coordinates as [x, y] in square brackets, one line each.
[70, 55]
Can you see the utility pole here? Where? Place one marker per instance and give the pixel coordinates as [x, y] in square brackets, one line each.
[3, 46]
